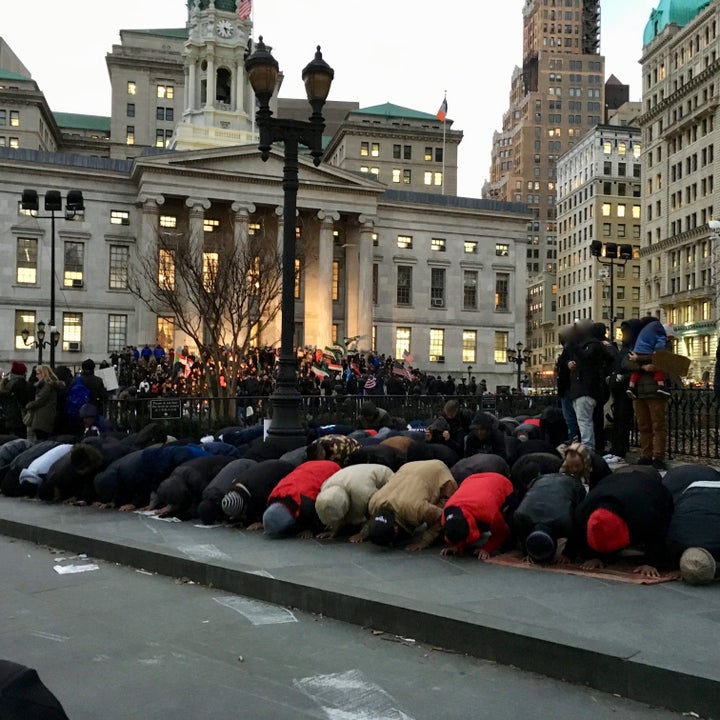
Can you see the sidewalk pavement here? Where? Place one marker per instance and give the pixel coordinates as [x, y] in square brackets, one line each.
[654, 644]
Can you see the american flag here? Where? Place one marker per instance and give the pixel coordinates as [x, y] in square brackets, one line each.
[402, 372]
[370, 383]
[408, 358]
[244, 9]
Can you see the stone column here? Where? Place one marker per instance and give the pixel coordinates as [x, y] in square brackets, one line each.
[192, 84]
[241, 229]
[365, 275]
[144, 268]
[318, 286]
[352, 271]
[273, 330]
[210, 98]
[240, 86]
[196, 244]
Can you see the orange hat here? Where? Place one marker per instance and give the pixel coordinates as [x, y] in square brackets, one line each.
[607, 532]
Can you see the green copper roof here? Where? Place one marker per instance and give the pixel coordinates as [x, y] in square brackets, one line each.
[390, 110]
[7, 75]
[99, 123]
[226, 5]
[178, 33]
[671, 12]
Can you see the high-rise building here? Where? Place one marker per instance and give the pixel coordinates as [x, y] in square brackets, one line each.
[599, 202]
[679, 255]
[555, 98]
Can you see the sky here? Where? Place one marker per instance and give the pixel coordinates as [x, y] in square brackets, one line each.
[407, 53]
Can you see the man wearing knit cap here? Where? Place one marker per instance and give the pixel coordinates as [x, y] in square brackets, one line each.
[698, 566]
[413, 496]
[291, 505]
[476, 516]
[621, 510]
[15, 393]
[344, 497]
[485, 436]
[546, 514]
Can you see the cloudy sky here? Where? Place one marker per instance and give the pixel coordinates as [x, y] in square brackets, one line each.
[399, 51]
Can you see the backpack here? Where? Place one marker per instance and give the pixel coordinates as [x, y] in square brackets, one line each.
[78, 395]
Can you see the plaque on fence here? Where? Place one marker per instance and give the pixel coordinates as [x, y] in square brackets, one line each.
[165, 409]
[488, 402]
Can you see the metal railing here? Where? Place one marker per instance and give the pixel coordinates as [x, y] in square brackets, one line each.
[693, 415]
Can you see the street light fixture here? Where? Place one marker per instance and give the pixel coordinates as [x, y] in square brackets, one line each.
[520, 357]
[74, 207]
[614, 254]
[263, 69]
[40, 342]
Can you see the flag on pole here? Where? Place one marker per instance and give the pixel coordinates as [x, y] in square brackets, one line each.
[334, 367]
[408, 358]
[442, 112]
[319, 372]
[244, 9]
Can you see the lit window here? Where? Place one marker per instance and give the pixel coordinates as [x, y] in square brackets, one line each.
[209, 225]
[606, 209]
[405, 242]
[119, 217]
[637, 149]
[14, 143]
[24, 320]
[402, 341]
[73, 270]
[396, 175]
[438, 178]
[501, 343]
[210, 269]
[131, 88]
[364, 149]
[130, 135]
[166, 91]
[622, 148]
[375, 171]
[364, 169]
[469, 343]
[427, 177]
[27, 255]
[636, 212]
[117, 332]
[437, 345]
[502, 249]
[437, 244]
[621, 209]
[165, 331]
[298, 277]
[72, 331]
[471, 246]
[14, 118]
[166, 269]
[375, 150]
[428, 154]
[502, 291]
[607, 147]
[168, 221]
[336, 280]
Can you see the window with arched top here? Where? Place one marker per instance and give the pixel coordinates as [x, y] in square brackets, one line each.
[223, 84]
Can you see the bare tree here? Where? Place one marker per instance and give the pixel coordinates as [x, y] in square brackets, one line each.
[223, 294]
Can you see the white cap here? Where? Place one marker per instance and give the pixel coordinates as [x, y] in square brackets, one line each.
[669, 330]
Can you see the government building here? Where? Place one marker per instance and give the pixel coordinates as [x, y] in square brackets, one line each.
[387, 251]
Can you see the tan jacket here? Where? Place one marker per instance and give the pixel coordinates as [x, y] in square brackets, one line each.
[416, 493]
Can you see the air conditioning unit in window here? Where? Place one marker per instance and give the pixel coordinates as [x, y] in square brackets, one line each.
[441, 358]
[72, 346]
[438, 302]
[77, 283]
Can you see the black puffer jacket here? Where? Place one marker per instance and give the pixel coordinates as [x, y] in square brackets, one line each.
[10, 485]
[256, 484]
[210, 507]
[479, 463]
[9, 451]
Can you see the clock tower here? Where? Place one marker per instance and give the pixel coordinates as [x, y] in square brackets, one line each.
[218, 100]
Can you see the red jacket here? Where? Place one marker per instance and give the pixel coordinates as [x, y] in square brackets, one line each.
[304, 481]
[480, 497]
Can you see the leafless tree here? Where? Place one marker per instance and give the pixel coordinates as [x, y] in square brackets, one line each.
[223, 294]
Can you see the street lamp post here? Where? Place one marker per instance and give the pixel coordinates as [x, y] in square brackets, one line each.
[40, 342]
[520, 357]
[610, 251]
[263, 69]
[74, 206]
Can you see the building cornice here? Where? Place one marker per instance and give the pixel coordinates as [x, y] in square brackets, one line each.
[670, 242]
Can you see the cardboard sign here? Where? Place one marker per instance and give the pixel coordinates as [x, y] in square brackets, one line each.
[671, 363]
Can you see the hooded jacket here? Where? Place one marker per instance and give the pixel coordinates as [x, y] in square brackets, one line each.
[344, 496]
[44, 406]
[299, 489]
[483, 498]
[644, 504]
[416, 494]
[550, 504]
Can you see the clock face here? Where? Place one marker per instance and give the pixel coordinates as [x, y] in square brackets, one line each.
[224, 28]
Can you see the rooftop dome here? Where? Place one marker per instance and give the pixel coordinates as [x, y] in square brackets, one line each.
[671, 12]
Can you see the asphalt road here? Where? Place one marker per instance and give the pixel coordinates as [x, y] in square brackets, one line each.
[118, 644]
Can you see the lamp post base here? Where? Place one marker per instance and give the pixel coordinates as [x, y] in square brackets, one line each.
[286, 428]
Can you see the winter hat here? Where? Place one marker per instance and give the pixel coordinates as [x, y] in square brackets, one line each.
[277, 519]
[88, 410]
[18, 368]
[456, 527]
[209, 512]
[540, 546]
[233, 504]
[332, 505]
[607, 532]
[697, 566]
[381, 528]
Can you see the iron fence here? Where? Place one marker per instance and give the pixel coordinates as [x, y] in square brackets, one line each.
[693, 414]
